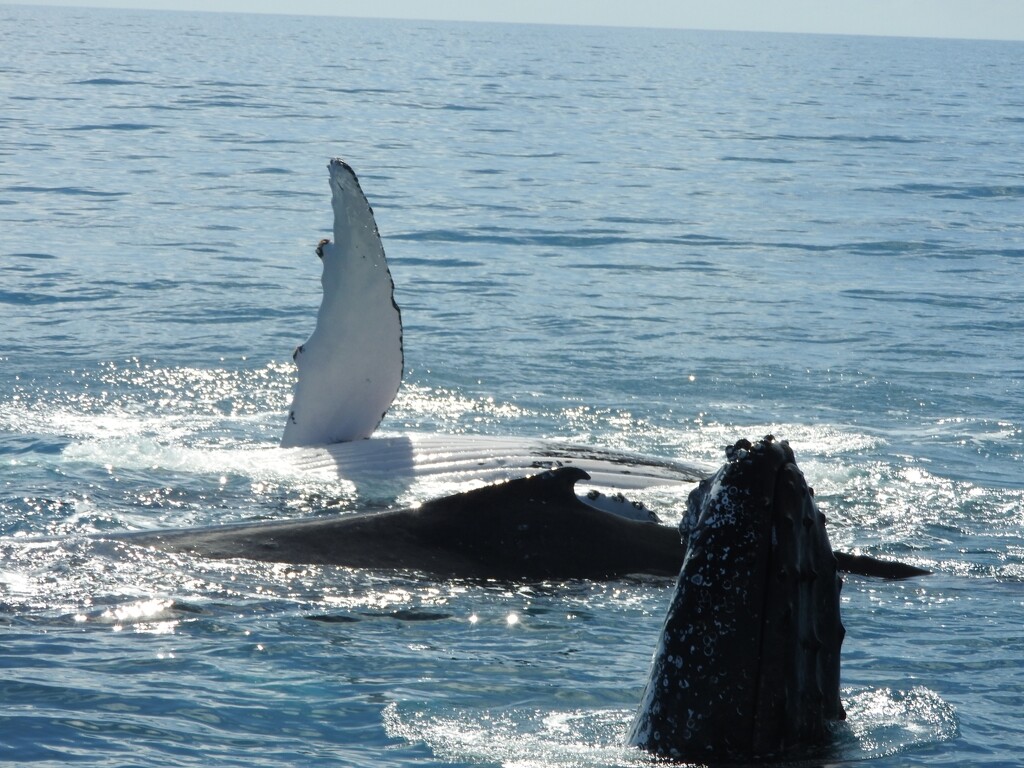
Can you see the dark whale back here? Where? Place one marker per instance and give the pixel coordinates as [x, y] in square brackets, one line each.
[531, 528]
[748, 661]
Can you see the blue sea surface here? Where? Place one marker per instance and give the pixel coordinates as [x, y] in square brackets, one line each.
[654, 240]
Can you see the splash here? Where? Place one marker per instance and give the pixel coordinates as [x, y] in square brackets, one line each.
[519, 738]
[879, 723]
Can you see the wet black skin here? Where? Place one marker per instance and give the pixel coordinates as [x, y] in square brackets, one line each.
[747, 665]
[533, 528]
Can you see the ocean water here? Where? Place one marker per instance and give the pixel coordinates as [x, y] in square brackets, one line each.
[659, 241]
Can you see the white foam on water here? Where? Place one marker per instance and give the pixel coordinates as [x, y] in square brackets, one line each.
[879, 723]
[886, 722]
[519, 738]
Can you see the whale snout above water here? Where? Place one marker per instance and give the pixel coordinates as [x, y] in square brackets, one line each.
[747, 665]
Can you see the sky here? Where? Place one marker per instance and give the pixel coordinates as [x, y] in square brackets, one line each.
[985, 19]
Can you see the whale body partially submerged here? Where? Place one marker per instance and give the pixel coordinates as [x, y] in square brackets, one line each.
[747, 665]
[533, 528]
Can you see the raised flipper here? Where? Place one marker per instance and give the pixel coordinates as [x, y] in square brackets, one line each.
[351, 367]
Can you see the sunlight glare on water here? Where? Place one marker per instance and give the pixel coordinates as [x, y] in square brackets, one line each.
[658, 241]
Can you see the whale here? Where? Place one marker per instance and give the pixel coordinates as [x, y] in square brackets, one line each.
[527, 529]
[747, 662]
[531, 528]
[349, 372]
[527, 521]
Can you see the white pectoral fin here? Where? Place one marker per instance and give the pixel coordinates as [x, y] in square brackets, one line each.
[350, 369]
